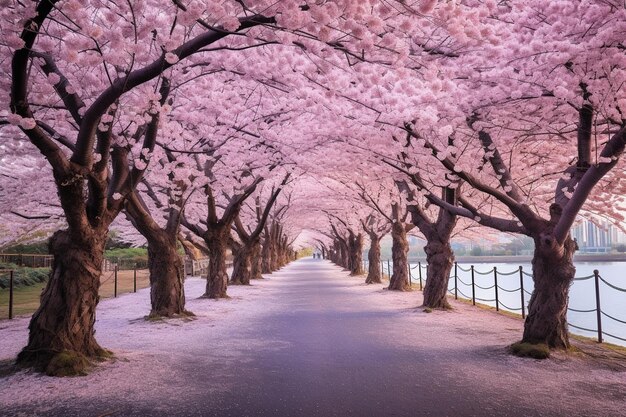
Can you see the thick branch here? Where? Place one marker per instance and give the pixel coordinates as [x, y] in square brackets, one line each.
[86, 134]
[613, 150]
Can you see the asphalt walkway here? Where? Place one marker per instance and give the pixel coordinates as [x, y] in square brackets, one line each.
[311, 341]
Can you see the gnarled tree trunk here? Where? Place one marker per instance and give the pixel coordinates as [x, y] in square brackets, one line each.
[345, 257]
[440, 258]
[62, 328]
[374, 275]
[399, 280]
[241, 266]
[256, 261]
[266, 254]
[167, 273]
[217, 276]
[553, 273]
[167, 276]
[356, 254]
[274, 266]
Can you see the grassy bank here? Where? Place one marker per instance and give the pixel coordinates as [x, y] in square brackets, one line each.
[26, 299]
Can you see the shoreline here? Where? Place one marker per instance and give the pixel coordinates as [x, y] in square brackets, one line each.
[587, 257]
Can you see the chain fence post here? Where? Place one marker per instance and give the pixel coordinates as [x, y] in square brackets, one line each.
[473, 288]
[410, 276]
[10, 294]
[596, 276]
[388, 269]
[495, 280]
[135, 279]
[456, 284]
[115, 282]
[521, 284]
[419, 265]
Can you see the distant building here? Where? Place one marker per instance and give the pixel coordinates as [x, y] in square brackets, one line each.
[597, 237]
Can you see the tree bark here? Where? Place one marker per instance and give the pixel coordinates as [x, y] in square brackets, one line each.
[64, 322]
[440, 258]
[356, 254]
[217, 276]
[167, 273]
[167, 277]
[399, 280]
[344, 256]
[266, 254]
[256, 261]
[274, 266]
[284, 254]
[374, 275]
[241, 266]
[553, 273]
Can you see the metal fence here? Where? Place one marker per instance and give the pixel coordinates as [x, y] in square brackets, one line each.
[200, 267]
[469, 278]
[24, 300]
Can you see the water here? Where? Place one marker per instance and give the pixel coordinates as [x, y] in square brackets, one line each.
[582, 293]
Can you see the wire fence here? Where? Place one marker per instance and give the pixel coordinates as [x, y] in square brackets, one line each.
[510, 291]
[27, 259]
[118, 277]
[15, 301]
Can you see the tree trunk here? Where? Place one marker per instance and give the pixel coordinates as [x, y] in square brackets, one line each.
[217, 276]
[266, 255]
[345, 257]
[61, 339]
[256, 261]
[553, 273]
[241, 266]
[283, 254]
[274, 257]
[356, 255]
[374, 275]
[399, 280]
[167, 277]
[440, 259]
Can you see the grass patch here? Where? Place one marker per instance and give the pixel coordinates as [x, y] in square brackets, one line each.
[25, 300]
[428, 310]
[530, 350]
[126, 253]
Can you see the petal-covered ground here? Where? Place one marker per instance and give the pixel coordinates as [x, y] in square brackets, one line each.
[311, 341]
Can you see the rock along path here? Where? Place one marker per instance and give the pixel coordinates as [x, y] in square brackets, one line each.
[311, 341]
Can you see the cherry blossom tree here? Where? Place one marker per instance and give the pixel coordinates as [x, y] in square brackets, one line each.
[568, 100]
[107, 65]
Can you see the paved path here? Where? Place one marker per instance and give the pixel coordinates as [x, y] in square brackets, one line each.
[311, 341]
